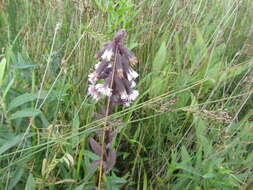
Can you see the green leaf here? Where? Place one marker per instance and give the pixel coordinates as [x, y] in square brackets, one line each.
[8, 88]
[24, 98]
[75, 128]
[189, 169]
[11, 143]
[185, 155]
[19, 171]
[159, 70]
[114, 182]
[91, 155]
[80, 187]
[2, 69]
[160, 59]
[30, 183]
[100, 5]
[29, 112]
[209, 175]
[145, 181]
[22, 63]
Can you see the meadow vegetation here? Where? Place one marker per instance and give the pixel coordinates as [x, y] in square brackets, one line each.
[191, 126]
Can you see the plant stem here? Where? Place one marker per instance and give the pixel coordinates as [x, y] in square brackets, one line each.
[108, 112]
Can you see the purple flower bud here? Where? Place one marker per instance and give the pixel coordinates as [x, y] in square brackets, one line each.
[120, 36]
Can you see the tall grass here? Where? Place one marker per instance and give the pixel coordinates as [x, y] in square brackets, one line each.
[191, 127]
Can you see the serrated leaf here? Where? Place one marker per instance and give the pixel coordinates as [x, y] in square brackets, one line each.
[29, 112]
[95, 146]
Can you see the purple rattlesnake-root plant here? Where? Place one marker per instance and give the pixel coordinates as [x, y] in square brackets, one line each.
[113, 78]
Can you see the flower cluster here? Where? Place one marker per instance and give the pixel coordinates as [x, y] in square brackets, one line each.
[113, 75]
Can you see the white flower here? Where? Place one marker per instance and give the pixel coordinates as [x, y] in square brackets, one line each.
[127, 104]
[133, 84]
[131, 75]
[104, 89]
[93, 77]
[97, 65]
[133, 95]
[107, 55]
[124, 95]
[93, 92]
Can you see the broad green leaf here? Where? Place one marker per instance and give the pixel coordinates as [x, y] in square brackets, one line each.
[186, 158]
[30, 183]
[91, 155]
[11, 143]
[27, 66]
[29, 112]
[8, 88]
[18, 173]
[145, 181]
[209, 175]
[114, 182]
[189, 169]
[159, 69]
[21, 63]
[24, 98]
[159, 60]
[80, 187]
[2, 69]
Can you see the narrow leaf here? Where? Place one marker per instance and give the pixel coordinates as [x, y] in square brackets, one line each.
[11, 143]
[80, 187]
[19, 171]
[2, 69]
[30, 183]
[29, 112]
[24, 98]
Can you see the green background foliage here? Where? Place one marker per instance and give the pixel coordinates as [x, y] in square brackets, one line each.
[191, 126]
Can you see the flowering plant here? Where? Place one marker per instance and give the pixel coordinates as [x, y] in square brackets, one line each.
[114, 78]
